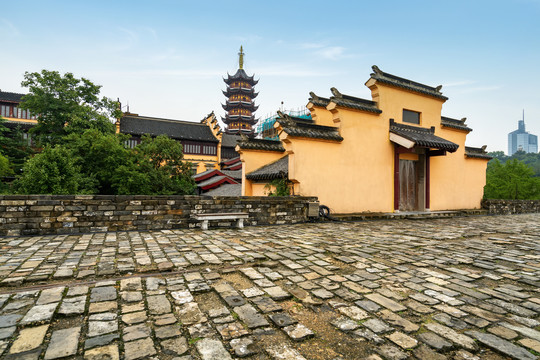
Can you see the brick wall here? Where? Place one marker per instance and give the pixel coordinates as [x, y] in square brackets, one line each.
[506, 207]
[65, 214]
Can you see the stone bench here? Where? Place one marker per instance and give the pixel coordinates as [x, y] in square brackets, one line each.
[220, 216]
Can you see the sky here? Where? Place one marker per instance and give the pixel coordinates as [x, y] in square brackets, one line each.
[168, 58]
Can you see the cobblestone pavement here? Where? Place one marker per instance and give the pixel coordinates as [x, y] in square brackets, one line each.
[460, 288]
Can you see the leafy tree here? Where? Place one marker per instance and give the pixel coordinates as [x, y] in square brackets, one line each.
[54, 171]
[511, 180]
[498, 155]
[162, 161]
[14, 147]
[5, 168]
[99, 156]
[64, 105]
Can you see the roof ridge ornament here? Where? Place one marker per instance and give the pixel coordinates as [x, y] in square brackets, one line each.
[463, 120]
[438, 88]
[335, 92]
[313, 96]
[376, 70]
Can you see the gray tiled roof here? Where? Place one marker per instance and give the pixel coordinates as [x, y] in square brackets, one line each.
[225, 190]
[474, 152]
[176, 129]
[422, 137]
[10, 96]
[318, 100]
[229, 140]
[454, 123]
[234, 174]
[260, 144]
[241, 74]
[212, 180]
[307, 130]
[406, 84]
[278, 169]
[353, 102]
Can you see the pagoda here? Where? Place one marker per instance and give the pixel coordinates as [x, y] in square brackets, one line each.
[240, 107]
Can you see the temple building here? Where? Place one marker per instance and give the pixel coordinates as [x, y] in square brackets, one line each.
[16, 118]
[203, 142]
[393, 153]
[240, 106]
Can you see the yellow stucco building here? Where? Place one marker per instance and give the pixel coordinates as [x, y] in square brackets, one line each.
[392, 153]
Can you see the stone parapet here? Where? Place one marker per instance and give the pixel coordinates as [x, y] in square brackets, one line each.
[67, 214]
[507, 207]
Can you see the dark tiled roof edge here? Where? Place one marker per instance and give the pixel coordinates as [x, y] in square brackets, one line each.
[422, 137]
[474, 152]
[354, 102]
[406, 84]
[260, 144]
[318, 100]
[278, 169]
[175, 129]
[455, 124]
[311, 131]
[11, 96]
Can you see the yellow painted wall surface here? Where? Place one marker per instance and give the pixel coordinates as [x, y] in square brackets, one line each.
[10, 119]
[252, 160]
[321, 117]
[357, 174]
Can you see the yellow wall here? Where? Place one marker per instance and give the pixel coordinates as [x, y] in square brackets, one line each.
[252, 160]
[320, 116]
[357, 174]
[10, 119]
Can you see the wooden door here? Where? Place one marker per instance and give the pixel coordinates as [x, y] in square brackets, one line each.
[408, 185]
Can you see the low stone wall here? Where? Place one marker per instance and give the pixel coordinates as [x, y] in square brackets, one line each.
[507, 207]
[66, 214]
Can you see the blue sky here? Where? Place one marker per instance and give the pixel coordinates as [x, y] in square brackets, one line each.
[167, 58]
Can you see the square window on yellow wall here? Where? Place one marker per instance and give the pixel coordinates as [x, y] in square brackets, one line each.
[412, 117]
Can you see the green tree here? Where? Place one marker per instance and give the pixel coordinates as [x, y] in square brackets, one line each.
[64, 105]
[161, 158]
[5, 168]
[54, 171]
[511, 180]
[14, 147]
[99, 156]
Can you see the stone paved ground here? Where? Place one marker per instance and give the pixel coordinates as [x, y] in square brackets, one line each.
[461, 288]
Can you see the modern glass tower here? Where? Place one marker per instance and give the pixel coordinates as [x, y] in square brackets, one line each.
[521, 140]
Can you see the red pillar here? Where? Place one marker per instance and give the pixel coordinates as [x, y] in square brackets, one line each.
[427, 179]
[396, 178]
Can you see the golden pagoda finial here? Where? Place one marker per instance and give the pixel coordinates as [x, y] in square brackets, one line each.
[241, 60]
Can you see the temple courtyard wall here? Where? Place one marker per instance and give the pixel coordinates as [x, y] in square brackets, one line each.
[70, 214]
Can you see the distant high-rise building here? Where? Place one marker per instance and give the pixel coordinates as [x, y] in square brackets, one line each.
[521, 140]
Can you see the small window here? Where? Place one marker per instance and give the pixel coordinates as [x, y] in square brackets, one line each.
[412, 117]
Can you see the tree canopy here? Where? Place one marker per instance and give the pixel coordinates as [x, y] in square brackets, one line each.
[14, 147]
[65, 104]
[97, 163]
[511, 180]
